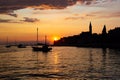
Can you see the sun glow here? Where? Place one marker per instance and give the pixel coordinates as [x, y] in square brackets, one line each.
[56, 38]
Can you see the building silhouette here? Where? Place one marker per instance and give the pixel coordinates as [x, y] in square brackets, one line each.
[88, 39]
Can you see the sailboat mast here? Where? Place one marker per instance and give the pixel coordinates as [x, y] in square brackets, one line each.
[37, 35]
[7, 41]
[45, 39]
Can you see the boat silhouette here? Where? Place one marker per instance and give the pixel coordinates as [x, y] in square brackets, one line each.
[8, 45]
[21, 46]
[43, 48]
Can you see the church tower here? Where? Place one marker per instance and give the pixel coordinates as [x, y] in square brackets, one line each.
[90, 28]
[104, 30]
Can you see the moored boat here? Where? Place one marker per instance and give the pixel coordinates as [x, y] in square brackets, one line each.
[44, 48]
[8, 45]
[21, 46]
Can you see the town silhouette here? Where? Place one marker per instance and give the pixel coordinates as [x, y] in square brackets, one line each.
[110, 39]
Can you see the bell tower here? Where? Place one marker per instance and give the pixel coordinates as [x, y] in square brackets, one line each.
[104, 30]
[90, 28]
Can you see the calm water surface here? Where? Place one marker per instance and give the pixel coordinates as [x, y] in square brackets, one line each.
[62, 63]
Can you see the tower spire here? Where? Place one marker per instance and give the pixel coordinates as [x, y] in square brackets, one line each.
[90, 27]
[104, 30]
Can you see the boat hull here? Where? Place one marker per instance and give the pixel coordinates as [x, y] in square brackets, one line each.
[21, 46]
[41, 49]
[7, 46]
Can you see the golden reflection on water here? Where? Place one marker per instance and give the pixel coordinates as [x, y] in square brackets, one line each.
[55, 58]
[56, 62]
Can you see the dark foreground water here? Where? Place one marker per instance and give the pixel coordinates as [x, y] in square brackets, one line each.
[62, 63]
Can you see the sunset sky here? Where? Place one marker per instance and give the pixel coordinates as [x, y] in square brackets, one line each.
[19, 19]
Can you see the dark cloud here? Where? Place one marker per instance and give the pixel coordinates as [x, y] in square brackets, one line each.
[11, 5]
[115, 14]
[8, 21]
[94, 15]
[72, 18]
[75, 17]
[12, 14]
[103, 14]
[90, 15]
[87, 2]
[4, 20]
[26, 19]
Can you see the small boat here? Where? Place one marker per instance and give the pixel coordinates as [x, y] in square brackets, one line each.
[44, 48]
[7, 46]
[21, 46]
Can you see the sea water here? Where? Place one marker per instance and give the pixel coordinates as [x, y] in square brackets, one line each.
[62, 63]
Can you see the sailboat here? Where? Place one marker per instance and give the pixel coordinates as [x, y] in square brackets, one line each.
[21, 46]
[7, 46]
[44, 48]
